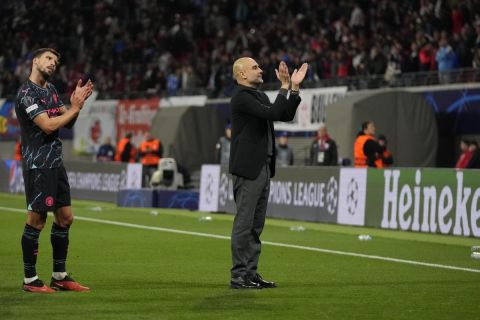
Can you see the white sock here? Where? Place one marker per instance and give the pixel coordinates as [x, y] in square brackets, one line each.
[29, 280]
[59, 275]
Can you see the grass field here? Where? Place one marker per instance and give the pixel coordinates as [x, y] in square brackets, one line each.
[139, 269]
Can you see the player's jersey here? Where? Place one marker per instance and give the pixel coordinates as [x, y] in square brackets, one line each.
[39, 150]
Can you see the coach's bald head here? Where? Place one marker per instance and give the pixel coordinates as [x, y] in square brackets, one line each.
[247, 72]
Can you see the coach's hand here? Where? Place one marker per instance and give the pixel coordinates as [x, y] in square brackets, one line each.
[298, 76]
[282, 74]
[81, 94]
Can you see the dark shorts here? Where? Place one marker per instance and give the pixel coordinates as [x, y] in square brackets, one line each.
[46, 189]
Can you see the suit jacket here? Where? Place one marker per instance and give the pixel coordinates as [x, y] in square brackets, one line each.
[251, 114]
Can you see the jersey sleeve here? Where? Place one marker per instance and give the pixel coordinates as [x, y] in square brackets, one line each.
[56, 98]
[31, 105]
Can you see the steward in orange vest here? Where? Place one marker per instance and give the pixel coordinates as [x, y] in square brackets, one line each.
[18, 150]
[366, 150]
[151, 150]
[126, 151]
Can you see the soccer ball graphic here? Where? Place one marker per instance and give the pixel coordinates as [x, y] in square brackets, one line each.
[352, 197]
[332, 192]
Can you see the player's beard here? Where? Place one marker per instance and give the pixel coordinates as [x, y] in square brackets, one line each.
[45, 74]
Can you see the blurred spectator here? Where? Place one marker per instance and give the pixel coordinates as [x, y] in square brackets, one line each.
[465, 156]
[426, 57]
[222, 148]
[284, 152]
[476, 59]
[323, 150]
[106, 152]
[446, 59]
[386, 156]
[474, 162]
[377, 64]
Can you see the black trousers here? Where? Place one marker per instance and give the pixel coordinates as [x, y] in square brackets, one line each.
[251, 198]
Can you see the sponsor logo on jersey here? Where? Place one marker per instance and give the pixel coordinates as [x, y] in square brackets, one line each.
[32, 108]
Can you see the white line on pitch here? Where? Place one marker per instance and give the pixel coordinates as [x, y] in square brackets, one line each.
[276, 244]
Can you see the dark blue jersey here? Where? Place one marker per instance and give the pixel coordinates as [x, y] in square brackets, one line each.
[39, 150]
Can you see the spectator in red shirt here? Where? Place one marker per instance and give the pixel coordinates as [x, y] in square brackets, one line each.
[466, 155]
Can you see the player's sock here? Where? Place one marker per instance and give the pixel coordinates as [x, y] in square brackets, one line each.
[59, 240]
[30, 250]
[59, 275]
[29, 280]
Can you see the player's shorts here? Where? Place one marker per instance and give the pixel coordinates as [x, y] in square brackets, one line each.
[46, 189]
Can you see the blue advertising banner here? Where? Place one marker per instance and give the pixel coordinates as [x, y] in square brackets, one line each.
[462, 107]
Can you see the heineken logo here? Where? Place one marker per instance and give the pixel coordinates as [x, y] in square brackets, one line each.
[452, 208]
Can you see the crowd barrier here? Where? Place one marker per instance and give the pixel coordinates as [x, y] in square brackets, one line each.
[88, 181]
[430, 200]
[444, 201]
[111, 182]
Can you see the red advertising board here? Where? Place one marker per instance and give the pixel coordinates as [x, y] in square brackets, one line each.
[135, 116]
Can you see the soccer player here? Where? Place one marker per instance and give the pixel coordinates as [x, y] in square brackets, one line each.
[41, 114]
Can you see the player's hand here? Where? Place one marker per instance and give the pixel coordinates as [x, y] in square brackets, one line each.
[81, 94]
[282, 74]
[298, 76]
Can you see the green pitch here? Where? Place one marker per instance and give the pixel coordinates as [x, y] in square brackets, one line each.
[137, 272]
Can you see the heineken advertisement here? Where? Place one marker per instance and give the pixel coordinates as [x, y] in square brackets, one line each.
[442, 201]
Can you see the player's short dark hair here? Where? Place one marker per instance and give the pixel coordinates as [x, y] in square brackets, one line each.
[37, 53]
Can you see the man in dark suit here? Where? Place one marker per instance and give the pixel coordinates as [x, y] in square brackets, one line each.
[252, 161]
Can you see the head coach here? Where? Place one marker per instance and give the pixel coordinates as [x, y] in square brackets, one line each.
[252, 160]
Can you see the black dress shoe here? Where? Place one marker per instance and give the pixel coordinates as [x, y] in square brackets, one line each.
[263, 283]
[241, 283]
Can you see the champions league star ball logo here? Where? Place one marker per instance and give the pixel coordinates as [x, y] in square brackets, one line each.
[352, 197]
[332, 191]
[223, 192]
[209, 189]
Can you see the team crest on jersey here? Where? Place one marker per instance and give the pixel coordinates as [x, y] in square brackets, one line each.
[27, 101]
[49, 201]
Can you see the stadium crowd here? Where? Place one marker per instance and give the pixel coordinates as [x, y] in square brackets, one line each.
[160, 47]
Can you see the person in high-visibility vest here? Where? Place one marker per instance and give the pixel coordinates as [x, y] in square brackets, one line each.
[386, 156]
[151, 151]
[18, 150]
[366, 149]
[126, 151]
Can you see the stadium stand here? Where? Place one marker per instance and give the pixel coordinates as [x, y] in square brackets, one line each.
[134, 47]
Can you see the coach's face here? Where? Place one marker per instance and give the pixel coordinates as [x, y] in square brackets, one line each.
[46, 64]
[252, 72]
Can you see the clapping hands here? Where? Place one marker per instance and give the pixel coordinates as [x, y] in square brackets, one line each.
[297, 76]
[81, 93]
